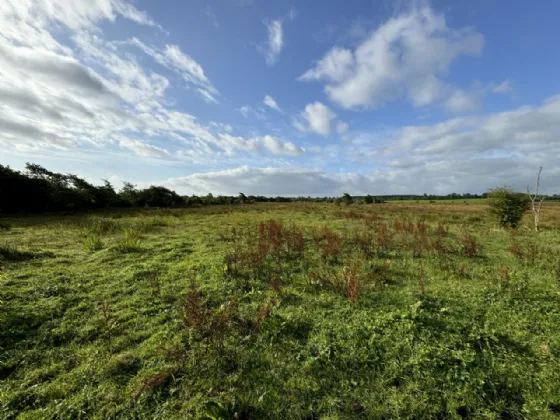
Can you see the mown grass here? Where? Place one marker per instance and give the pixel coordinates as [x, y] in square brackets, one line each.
[280, 311]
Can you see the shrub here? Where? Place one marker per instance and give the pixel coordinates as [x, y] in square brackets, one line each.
[507, 206]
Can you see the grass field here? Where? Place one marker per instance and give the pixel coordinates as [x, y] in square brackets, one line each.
[446, 201]
[280, 311]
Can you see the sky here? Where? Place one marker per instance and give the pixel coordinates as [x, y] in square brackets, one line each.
[300, 98]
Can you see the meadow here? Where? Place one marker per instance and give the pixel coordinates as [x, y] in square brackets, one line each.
[280, 311]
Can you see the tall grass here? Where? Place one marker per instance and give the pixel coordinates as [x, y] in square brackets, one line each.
[129, 241]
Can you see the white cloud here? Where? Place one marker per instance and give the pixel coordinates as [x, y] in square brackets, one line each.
[461, 101]
[504, 87]
[336, 66]
[257, 181]
[88, 94]
[244, 110]
[75, 14]
[406, 56]
[143, 149]
[318, 118]
[341, 127]
[273, 145]
[519, 131]
[174, 59]
[271, 103]
[275, 41]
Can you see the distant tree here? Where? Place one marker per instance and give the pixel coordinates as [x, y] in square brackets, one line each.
[347, 199]
[535, 198]
[129, 194]
[157, 196]
[507, 205]
[242, 198]
[368, 199]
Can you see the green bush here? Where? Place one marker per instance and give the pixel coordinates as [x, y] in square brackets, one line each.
[507, 205]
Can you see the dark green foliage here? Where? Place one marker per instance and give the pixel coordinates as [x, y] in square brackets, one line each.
[507, 206]
[40, 190]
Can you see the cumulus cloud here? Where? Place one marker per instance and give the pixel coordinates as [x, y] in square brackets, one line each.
[463, 154]
[406, 56]
[271, 103]
[517, 131]
[319, 118]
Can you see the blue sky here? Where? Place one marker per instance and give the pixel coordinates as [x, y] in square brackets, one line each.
[283, 98]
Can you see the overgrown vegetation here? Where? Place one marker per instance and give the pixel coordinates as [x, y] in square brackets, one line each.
[280, 311]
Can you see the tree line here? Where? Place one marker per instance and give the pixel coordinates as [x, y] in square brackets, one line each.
[36, 189]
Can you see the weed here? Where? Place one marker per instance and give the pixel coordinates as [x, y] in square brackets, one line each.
[330, 243]
[384, 237]
[364, 241]
[469, 246]
[156, 380]
[504, 276]
[194, 313]
[419, 243]
[93, 242]
[264, 313]
[422, 280]
[101, 226]
[108, 322]
[533, 251]
[463, 272]
[352, 282]
[421, 227]
[5, 226]
[276, 284]
[129, 241]
[516, 250]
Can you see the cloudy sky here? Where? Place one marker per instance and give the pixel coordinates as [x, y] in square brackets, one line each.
[284, 98]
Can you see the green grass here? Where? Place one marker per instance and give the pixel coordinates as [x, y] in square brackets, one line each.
[446, 201]
[392, 311]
